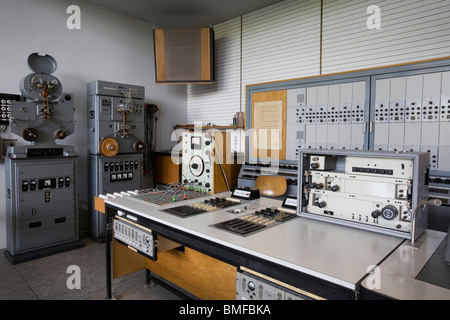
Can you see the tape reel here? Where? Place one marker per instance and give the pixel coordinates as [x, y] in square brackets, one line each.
[109, 147]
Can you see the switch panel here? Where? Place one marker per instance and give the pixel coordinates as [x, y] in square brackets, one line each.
[411, 115]
[136, 237]
[5, 106]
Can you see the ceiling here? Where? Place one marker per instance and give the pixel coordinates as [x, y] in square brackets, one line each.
[183, 13]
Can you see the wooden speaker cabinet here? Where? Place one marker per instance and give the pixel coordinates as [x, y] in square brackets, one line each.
[184, 55]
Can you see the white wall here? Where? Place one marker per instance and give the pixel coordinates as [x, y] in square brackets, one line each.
[109, 46]
[283, 41]
[409, 31]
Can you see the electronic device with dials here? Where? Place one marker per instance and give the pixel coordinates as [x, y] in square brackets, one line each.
[385, 192]
[206, 162]
[135, 233]
[250, 286]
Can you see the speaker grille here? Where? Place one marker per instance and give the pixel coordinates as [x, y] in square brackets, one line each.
[184, 55]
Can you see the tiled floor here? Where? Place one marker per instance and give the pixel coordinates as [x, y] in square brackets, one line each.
[46, 278]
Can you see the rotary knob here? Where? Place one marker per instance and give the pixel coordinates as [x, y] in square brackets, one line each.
[389, 212]
[335, 188]
[376, 214]
[322, 204]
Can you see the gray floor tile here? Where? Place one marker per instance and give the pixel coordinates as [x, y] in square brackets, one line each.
[46, 278]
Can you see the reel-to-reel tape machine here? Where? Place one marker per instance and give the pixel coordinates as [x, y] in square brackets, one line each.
[45, 116]
[41, 193]
[115, 118]
[116, 135]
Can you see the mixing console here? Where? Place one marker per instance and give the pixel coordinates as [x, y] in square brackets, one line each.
[258, 220]
[161, 198]
[208, 205]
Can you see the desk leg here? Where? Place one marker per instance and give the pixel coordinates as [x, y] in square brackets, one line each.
[108, 235]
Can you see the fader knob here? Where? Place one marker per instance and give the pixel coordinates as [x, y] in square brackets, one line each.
[389, 212]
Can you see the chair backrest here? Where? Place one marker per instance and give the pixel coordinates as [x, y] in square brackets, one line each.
[271, 186]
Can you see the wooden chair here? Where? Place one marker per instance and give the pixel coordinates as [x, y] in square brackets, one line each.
[271, 186]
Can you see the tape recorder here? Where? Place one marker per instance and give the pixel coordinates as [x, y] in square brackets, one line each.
[46, 113]
[116, 122]
[385, 192]
[41, 191]
[115, 118]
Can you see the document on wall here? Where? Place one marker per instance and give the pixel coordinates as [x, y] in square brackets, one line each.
[268, 124]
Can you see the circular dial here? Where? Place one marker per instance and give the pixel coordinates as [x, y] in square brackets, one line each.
[196, 166]
[109, 147]
[389, 212]
[30, 134]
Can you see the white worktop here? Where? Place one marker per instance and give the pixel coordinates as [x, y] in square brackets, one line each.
[338, 254]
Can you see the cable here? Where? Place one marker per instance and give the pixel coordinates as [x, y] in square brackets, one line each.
[433, 202]
[220, 164]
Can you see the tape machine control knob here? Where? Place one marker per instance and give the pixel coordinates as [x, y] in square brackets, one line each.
[389, 212]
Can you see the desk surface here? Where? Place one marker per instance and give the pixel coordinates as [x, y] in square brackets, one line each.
[334, 253]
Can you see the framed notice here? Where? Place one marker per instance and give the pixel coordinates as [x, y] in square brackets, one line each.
[268, 138]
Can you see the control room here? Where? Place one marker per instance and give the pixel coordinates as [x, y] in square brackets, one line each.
[224, 151]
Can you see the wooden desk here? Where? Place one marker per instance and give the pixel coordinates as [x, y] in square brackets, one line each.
[188, 269]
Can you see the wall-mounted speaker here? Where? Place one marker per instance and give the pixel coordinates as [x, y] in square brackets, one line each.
[184, 55]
